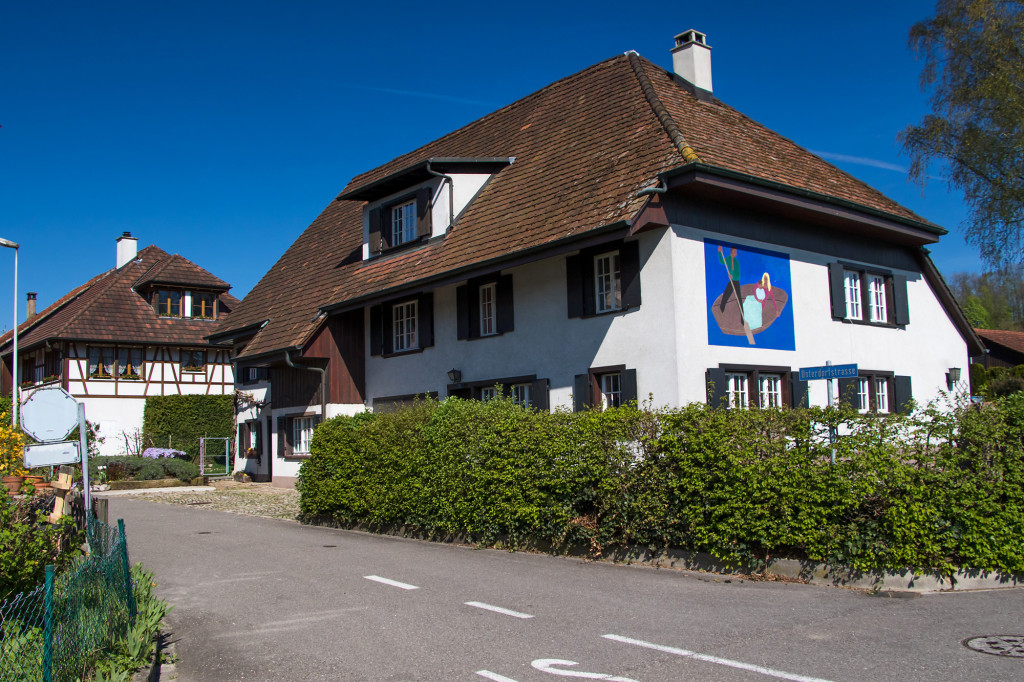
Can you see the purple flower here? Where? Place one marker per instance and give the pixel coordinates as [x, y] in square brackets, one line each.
[157, 453]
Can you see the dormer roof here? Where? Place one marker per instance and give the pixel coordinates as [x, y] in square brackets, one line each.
[410, 176]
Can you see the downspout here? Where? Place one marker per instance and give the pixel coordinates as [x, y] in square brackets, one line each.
[323, 381]
[651, 190]
[451, 194]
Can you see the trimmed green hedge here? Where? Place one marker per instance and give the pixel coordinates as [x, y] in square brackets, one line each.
[133, 468]
[179, 421]
[939, 490]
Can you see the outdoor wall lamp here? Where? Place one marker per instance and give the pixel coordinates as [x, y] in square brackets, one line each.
[952, 377]
[454, 376]
[15, 370]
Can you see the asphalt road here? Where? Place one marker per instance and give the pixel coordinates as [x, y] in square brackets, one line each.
[259, 599]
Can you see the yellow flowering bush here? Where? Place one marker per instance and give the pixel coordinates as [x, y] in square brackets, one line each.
[11, 442]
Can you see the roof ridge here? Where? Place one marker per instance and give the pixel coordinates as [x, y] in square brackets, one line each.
[667, 122]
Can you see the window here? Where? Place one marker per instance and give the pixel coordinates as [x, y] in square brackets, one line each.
[302, 435]
[129, 364]
[204, 305]
[876, 298]
[743, 386]
[600, 280]
[528, 391]
[248, 375]
[853, 297]
[168, 303]
[737, 390]
[101, 362]
[876, 391]
[403, 221]
[611, 389]
[250, 435]
[607, 282]
[488, 324]
[604, 387]
[484, 307]
[295, 434]
[864, 296]
[769, 390]
[193, 360]
[521, 394]
[404, 326]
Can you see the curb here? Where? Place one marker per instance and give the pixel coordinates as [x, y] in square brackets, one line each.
[146, 491]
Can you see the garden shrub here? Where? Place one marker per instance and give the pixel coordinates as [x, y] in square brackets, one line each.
[179, 421]
[28, 543]
[129, 467]
[934, 491]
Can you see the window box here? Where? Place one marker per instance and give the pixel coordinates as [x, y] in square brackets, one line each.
[603, 280]
[862, 295]
[484, 307]
[400, 222]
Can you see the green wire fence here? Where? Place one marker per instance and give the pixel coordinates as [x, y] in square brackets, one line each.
[53, 632]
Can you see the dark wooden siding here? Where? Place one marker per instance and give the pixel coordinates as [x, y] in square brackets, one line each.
[294, 387]
[341, 343]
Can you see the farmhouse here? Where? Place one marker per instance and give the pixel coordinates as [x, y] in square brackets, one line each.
[620, 234]
[129, 333]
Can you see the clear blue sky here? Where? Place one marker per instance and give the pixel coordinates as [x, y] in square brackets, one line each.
[219, 130]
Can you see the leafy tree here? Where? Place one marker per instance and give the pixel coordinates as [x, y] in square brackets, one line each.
[992, 300]
[974, 68]
[976, 313]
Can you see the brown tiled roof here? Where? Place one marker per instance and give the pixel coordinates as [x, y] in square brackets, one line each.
[107, 309]
[583, 147]
[180, 271]
[1008, 339]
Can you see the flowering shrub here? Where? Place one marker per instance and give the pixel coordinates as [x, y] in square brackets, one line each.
[11, 443]
[157, 453]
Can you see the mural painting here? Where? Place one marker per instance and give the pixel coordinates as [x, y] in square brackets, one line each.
[748, 292]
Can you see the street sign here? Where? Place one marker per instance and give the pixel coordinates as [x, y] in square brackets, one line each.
[49, 414]
[828, 372]
[52, 454]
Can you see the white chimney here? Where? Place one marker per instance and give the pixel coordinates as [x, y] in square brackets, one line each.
[127, 248]
[691, 59]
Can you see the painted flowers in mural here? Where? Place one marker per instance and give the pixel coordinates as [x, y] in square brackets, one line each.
[747, 295]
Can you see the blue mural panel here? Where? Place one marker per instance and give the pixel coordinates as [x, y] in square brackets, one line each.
[748, 294]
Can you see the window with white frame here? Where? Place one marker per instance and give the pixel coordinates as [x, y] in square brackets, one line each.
[881, 394]
[488, 296]
[863, 394]
[876, 299]
[302, 435]
[607, 282]
[521, 394]
[404, 326]
[769, 387]
[853, 295]
[403, 223]
[611, 389]
[736, 389]
[488, 393]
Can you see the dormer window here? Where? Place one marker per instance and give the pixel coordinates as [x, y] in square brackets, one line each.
[204, 305]
[403, 223]
[168, 302]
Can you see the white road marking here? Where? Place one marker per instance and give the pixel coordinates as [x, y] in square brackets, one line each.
[494, 676]
[393, 583]
[715, 659]
[544, 665]
[498, 609]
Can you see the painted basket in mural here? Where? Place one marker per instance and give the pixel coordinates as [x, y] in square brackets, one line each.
[759, 314]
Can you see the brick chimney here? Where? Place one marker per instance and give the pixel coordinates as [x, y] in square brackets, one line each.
[127, 248]
[30, 305]
[691, 59]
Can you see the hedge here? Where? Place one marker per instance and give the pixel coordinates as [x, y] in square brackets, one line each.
[179, 421]
[935, 491]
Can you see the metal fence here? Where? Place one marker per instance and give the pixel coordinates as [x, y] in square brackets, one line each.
[52, 632]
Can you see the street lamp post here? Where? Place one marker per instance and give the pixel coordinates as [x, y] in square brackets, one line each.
[15, 378]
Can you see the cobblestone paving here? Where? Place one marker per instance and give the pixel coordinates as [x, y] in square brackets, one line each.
[258, 499]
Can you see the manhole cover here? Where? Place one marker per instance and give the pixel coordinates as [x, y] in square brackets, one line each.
[998, 645]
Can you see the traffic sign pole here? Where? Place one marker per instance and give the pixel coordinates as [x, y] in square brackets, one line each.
[84, 447]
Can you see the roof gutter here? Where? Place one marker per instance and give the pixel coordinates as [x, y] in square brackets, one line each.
[323, 381]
